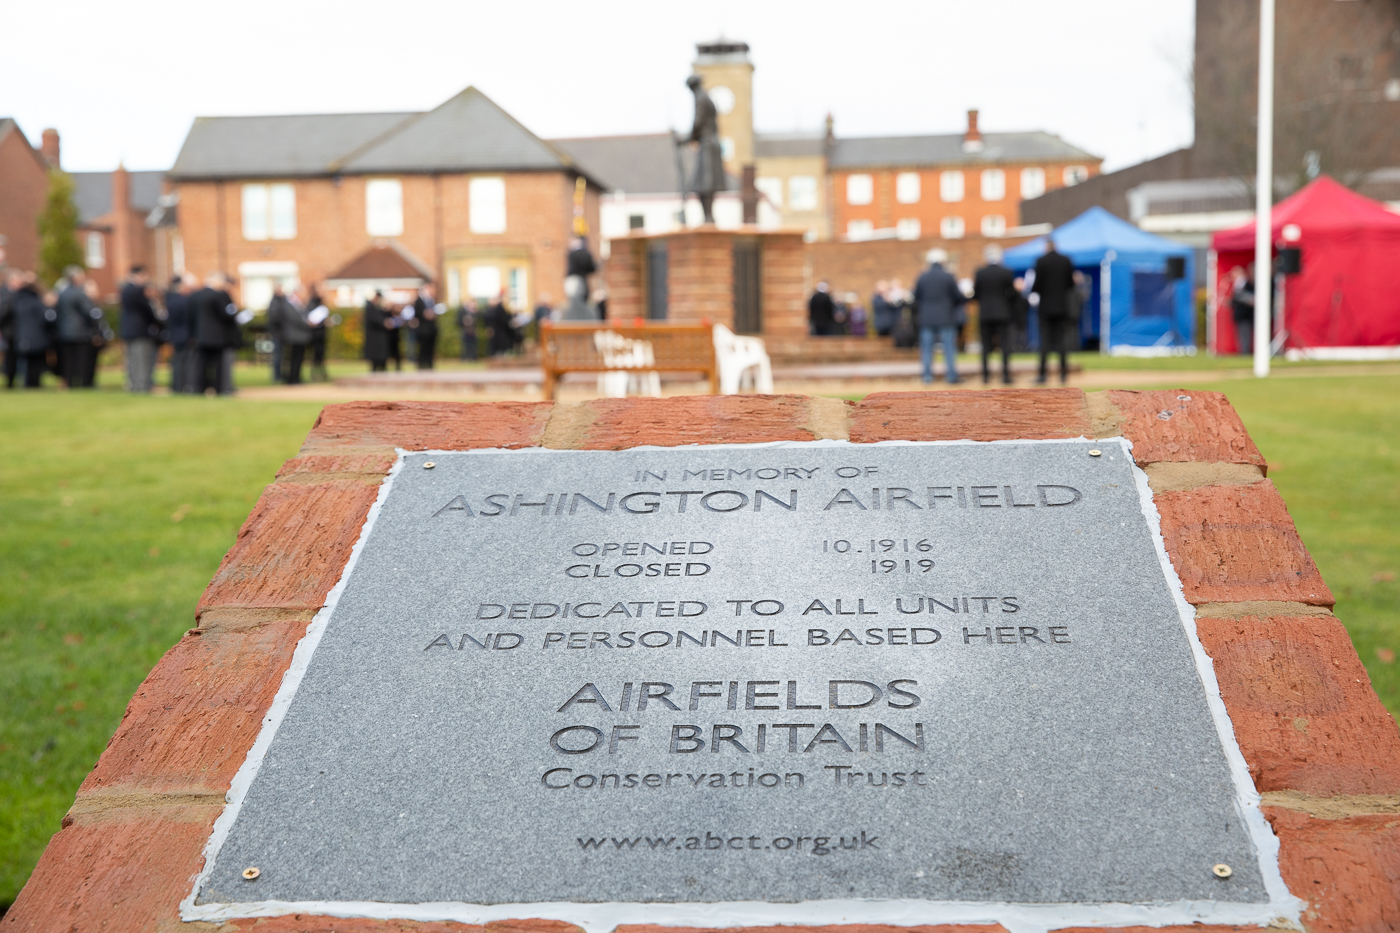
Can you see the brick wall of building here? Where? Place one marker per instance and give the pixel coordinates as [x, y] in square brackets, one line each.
[1322, 750]
[330, 215]
[884, 211]
[24, 184]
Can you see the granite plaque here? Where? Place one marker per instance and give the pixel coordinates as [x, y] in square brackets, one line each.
[787, 682]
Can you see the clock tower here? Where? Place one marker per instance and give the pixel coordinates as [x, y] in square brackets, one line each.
[727, 74]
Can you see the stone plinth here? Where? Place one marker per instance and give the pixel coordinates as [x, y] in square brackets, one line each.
[1320, 748]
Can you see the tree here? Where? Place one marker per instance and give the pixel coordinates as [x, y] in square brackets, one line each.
[58, 230]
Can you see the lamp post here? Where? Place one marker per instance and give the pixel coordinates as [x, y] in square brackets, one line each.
[1264, 195]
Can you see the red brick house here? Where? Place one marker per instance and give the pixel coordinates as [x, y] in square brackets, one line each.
[24, 183]
[463, 192]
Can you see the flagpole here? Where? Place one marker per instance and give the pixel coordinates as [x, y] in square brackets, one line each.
[1264, 195]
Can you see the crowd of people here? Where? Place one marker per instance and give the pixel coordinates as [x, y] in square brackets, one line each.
[58, 330]
[933, 316]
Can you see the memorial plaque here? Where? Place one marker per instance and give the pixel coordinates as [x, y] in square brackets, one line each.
[651, 683]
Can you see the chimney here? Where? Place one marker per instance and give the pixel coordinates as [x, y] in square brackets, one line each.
[830, 127]
[49, 147]
[122, 234]
[972, 139]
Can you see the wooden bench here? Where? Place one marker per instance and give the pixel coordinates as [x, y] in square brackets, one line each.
[569, 347]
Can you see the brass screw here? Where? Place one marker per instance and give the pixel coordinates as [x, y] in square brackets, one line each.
[429, 465]
[1096, 453]
[252, 872]
[1183, 398]
[1222, 871]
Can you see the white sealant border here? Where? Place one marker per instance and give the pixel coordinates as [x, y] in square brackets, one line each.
[1283, 910]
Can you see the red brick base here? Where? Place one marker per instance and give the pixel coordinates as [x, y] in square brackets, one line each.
[1321, 748]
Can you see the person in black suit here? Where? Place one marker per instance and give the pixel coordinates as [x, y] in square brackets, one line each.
[377, 333]
[184, 358]
[821, 311]
[1054, 279]
[216, 334]
[994, 290]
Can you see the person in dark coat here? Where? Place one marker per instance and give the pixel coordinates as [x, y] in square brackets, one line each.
[377, 318]
[937, 307]
[821, 311]
[180, 324]
[278, 310]
[1242, 309]
[466, 326]
[216, 333]
[884, 314]
[580, 266]
[297, 334]
[140, 329]
[500, 325]
[1054, 279]
[34, 326]
[79, 331]
[426, 311]
[319, 317]
[994, 290]
[12, 282]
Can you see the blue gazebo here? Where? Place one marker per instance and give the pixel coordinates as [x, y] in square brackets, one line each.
[1149, 307]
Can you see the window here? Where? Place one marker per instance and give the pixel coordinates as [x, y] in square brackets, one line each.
[726, 148]
[951, 228]
[950, 186]
[906, 188]
[1074, 174]
[383, 207]
[802, 193]
[771, 188]
[859, 229]
[636, 221]
[484, 282]
[487, 205]
[519, 296]
[1032, 182]
[908, 228]
[860, 189]
[994, 225]
[269, 212]
[255, 212]
[993, 184]
[284, 211]
[454, 287]
[95, 254]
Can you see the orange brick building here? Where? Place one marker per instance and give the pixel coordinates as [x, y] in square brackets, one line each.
[948, 186]
[24, 183]
[462, 191]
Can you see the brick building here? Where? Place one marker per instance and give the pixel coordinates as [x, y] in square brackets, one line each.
[24, 183]
[463, 191]
[113, 230]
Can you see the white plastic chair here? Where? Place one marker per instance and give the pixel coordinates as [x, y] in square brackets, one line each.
[743, 363]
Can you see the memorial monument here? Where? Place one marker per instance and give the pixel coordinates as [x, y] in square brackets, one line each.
[1005, 658]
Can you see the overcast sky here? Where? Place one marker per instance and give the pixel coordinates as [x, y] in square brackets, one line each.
[123, 81]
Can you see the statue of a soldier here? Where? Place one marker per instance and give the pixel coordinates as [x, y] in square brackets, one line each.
[709, 160]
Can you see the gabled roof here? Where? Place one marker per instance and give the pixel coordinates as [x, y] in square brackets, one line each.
[468, 133]
[92, 193]
[385, 260]
[947, 149]
[635, 164]
[7, 126]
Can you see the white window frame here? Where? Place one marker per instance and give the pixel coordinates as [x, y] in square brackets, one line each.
[993, 184]
[282, 211]
[859, 229]
[908, 187]
[802, 193]
[1075, 174]
[383, 207]
[254, 209]
[486, 204]
[908, 228]
[994, 225]
[95, 250]
[1032, 182]
[771, 187]
[952, 228]
[952, 186]
[860, 189]
[478, 278]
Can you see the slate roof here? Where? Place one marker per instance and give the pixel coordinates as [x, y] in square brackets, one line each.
[777, 145]
[92, 192]
[873, 151]
[634, 164]
[468, 133]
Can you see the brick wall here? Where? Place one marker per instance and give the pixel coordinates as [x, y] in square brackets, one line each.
[330, 214]
[884, 211]
[1322, 750]
[24, 184]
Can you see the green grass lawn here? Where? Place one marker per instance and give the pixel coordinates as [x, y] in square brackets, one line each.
[116, 511]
